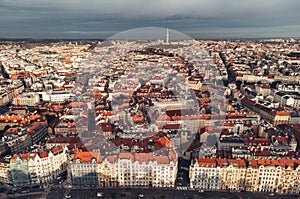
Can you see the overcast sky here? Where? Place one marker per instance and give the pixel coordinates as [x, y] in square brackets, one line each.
[104, 18]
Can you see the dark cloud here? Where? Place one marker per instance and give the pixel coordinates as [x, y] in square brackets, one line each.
[102, 18]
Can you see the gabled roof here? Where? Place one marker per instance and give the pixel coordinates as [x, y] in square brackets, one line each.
[57, 149]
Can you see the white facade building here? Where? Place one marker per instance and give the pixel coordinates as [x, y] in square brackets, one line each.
[44, 168]
[125, 169]
[281, 176]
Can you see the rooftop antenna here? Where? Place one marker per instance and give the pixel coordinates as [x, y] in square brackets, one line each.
[167, 36]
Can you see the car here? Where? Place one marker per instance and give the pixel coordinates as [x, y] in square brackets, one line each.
[201, 191]
[25, 191]
[141, 195]
[271, 194]
[68, 196]
[100, 194]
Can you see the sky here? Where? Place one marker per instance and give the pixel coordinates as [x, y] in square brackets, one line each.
[100, 19]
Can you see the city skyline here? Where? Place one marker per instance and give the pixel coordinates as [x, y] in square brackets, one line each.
[148, 99]
[198, 19]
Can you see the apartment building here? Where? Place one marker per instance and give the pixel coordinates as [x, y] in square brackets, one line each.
[26, 99]
[84, 168]
[140, 169]
[281, 176]
[5, 176]
[124, 169]
[19, 169]
[38, 168]
[45, 167]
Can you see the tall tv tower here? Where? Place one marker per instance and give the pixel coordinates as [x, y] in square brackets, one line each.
[167, 36]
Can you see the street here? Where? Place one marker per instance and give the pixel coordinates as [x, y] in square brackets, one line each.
[158, 193]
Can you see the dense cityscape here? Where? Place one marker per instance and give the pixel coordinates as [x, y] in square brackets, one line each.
[202, 115]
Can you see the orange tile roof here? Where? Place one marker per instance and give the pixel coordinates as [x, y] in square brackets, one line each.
[206, 100]
[283, 113]
[126, 156]
[164, 142]
[86, 156]
[143, 157]
[106, 113]
[161, 159]
[76, 104]
[173, 155]
[44, 154]
[209, 162]
[34, 126]
[251, 163]
[138, 119]
[111, 158]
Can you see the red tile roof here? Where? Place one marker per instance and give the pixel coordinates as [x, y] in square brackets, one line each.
[282, 113]
[162, 159]
[170, 126]
[35, 126]
[57, 149]
[86, 156]
[126, 156]
[25, 155]
[144, 157]
[44, 154]
[162, 142]
[207, 162]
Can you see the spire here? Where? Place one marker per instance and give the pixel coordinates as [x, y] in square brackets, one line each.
[167, 36]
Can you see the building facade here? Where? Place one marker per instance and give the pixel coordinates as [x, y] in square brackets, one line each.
[84, 169]
[281, 176]
[45, 167]
[5, 176]
[19, 169]
[38, 168]
[125, 169]
[26, 99]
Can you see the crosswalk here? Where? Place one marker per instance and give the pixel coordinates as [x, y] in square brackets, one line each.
[182, 188]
